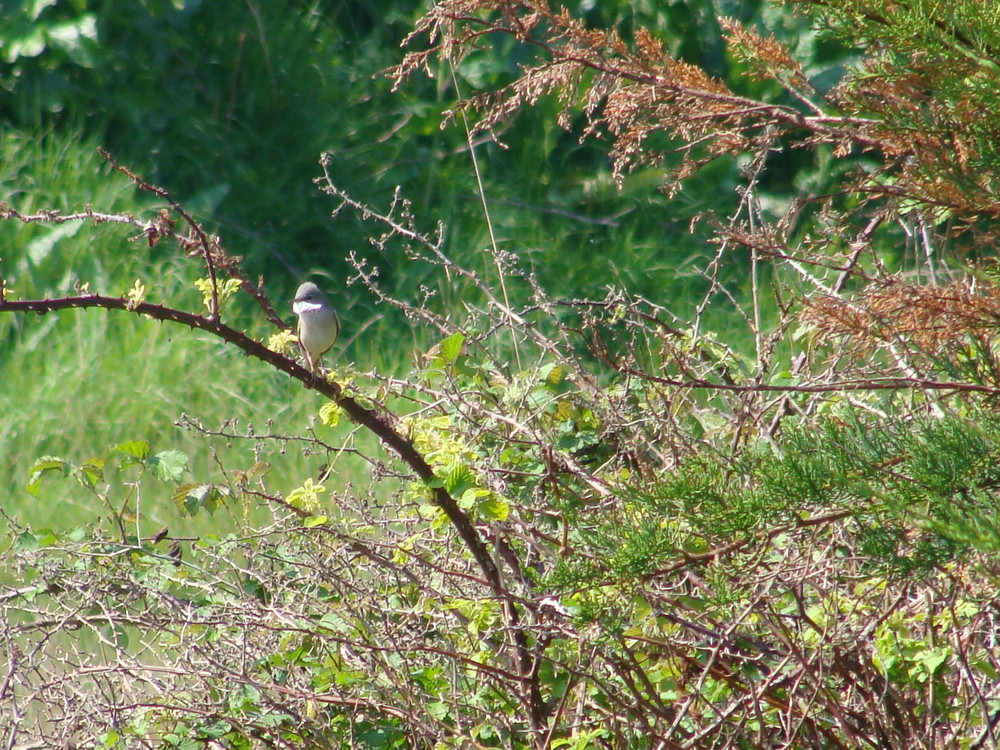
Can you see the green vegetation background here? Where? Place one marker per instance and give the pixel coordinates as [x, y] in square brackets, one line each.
[229, 106]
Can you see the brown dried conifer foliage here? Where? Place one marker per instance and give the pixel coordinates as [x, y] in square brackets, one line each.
[918, 115]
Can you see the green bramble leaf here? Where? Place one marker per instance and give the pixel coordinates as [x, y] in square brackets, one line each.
[27, 541]
[191, 498]
[932, 658]
[552, 375]
[255, 588]
[43, 466]
[306, 497]
[169, 465]
[470, 498]
[330, 414]
[451, 348]
[439, 519]
[494, 507]
[136, 452]
[458, 479]
[90, 472]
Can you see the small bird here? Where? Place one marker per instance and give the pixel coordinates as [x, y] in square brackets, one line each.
[318, 323]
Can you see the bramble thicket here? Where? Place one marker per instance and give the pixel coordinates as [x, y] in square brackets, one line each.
[758, 509]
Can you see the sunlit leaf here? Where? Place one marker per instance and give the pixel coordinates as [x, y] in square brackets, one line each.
[169, 465]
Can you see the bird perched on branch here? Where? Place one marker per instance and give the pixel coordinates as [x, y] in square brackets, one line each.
[318, 323]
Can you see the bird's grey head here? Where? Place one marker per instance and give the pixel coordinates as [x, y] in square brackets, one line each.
[308, 298]
[309, 292]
